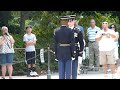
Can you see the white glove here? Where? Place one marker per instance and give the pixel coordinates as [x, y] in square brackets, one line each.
[73, 58]
[79, 60]
[56, 60]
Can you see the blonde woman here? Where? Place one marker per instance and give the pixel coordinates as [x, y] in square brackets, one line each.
[6, 52]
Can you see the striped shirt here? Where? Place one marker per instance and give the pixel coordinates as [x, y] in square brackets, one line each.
[91, 33]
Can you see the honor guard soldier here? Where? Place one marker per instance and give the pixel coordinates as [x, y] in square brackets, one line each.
[64, 46]
[78, 36]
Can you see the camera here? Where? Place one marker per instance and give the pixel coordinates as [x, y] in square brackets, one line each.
[103, 33]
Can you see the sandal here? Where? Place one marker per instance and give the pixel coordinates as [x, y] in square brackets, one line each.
[10, 78]
[3, 77]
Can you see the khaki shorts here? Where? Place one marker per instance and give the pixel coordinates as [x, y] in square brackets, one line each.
[107, 57]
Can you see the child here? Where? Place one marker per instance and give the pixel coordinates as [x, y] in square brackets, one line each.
[30, 41]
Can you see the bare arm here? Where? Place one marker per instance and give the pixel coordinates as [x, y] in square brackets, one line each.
[117, 37]
[1, 42]
[112, 35]
[29, 43]
[11, 39]
[98, 39]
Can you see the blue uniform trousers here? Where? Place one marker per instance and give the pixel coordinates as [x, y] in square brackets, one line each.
[74, 68]
[64, 68]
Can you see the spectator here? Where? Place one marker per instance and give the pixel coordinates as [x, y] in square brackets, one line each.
[106, 37]
[30, 41]
[113, 27]
[79, 27]
[93, 46]
[116, 56]
[6, 52]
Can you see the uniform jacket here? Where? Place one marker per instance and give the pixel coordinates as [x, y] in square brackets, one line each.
[63, 35]
[78, 36]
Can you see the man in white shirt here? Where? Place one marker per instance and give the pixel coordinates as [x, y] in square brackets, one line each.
[105, 37]
[30, 41]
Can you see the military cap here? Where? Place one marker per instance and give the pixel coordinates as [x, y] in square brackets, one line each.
[64, 18]
[72, 17]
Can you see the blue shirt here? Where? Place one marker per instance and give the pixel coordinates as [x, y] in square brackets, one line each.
[81, 29]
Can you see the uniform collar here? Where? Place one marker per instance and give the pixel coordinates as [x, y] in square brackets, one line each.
[72, 27]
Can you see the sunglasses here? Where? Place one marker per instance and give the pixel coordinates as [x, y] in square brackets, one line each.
[104, 23]
[112, 27]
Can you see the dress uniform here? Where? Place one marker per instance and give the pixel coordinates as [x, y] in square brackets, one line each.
[78, 36]
[64, 48]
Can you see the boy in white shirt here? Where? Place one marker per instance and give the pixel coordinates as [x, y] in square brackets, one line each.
[30, 41]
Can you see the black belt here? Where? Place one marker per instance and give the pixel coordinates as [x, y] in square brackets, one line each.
[91, 41]
[64, 45]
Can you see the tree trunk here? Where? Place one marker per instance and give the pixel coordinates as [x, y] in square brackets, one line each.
[119, 19]
[4, 17]
[22, 22]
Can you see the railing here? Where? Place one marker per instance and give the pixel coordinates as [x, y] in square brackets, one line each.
[21, 53]
[20, 57]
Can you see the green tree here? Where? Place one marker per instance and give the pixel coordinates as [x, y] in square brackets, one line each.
[5, 16]
[24, 15]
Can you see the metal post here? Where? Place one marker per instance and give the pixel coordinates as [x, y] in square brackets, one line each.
[48, 73]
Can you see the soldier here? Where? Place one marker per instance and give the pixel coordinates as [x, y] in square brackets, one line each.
[64, 46]
[78, 36]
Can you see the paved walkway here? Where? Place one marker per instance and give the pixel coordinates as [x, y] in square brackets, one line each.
[89, 75]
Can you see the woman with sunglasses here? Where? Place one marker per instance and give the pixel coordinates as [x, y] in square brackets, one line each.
[113, 27]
